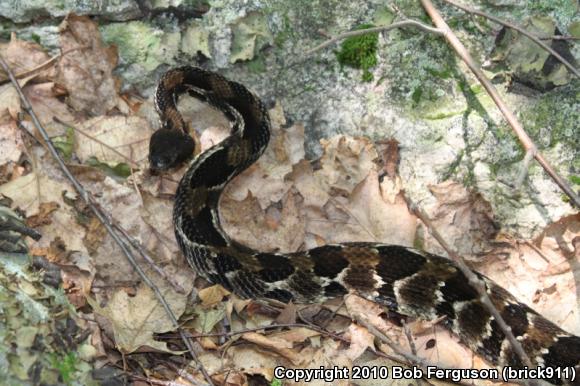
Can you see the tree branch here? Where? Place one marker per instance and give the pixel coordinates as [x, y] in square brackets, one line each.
[530, 36]
[511, 119]
[400, 24]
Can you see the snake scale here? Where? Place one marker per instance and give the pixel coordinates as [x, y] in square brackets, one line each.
[404, 280]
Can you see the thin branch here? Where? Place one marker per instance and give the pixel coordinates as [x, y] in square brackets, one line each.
[525, 167]
[530, 36]
[44, 65]
[511, 119]
[473, 280]
[400, 24]
[103, 218]
[111, 148]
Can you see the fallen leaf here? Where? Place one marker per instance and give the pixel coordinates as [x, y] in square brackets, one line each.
[279, 346]
[136, 318]
[22, 56]
[87, 75]
[11, 145]
[113, 139]
[360, 340]
[48, 106]
[212, 295]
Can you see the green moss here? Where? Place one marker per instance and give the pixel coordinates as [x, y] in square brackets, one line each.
[35, 37]
[360, 52]
[66, 366]
[276, 382]
[256, 65]
[137, 41]
[554, 118]
[285, 33]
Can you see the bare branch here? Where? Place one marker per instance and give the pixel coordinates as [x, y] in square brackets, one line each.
[104, 218]
[532, 37]
[511, 119]
[400, 24]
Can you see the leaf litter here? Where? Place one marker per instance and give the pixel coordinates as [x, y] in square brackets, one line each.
[283, 202]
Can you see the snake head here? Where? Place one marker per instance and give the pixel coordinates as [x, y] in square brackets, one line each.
[169, 148]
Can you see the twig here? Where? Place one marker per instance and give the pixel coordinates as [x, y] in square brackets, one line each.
[100, 214]
[143, 252]
[111, 148]
[400, 24]
[530, 36]
[525, 140]
[473, 280]
[525, 167]
[47, 63]
[409, 336]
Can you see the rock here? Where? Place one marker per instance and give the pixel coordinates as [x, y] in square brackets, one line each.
[22, 11]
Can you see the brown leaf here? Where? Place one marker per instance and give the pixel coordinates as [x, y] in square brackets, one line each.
[86, 74]
[253, 360]
[275, 229]
[279, 346]
[47, 106]
[346, 161]
[136, 318]
[22, 56]
[287, 315]
[364, 216]
[360, 340]
[44, 216]
[95, 235]
[11, 145]
[113, 139]
[212, 295]
[540, 272]
[464, 217]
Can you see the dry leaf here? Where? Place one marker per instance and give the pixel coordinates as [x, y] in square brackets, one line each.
[463, 216]
[9, 104]
[47, 106]
[360, 340]
[113, 139]
[29, 191]
[346, 161]
[276, 229]
[279, 346]
[135, 318]
[22, 56]
[212, 295]
[86, 74]
[364, 216]
[11, 145]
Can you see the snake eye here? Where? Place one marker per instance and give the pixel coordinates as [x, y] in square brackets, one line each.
[169, 148]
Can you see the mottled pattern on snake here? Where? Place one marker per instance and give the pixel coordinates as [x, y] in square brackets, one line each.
[404, 280]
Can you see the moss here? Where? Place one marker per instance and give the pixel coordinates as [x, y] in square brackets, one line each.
[276, 382]
[360, 52]
[137, 41]
[35, 37]
[256, 65]
[548, 128]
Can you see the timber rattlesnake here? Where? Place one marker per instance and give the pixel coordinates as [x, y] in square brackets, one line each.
[404, 280]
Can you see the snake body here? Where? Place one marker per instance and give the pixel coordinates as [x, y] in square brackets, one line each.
[404, 280]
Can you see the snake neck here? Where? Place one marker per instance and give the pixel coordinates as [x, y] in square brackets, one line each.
[196, 203]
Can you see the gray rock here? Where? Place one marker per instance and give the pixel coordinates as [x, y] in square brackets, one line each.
[22, 11]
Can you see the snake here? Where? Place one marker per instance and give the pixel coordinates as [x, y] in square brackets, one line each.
[404, 280]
